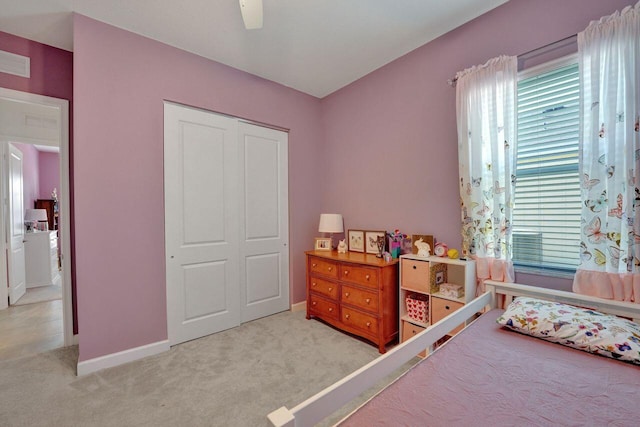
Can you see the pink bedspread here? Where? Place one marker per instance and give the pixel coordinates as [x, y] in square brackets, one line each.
[488, 376]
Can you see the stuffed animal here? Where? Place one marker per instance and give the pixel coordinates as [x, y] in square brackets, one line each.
[342, 247]
[424, 249]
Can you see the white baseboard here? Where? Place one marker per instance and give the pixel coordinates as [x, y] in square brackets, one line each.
[299, 306]
[122, 357]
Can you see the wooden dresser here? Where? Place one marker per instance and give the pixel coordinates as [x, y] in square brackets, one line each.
[355, 292]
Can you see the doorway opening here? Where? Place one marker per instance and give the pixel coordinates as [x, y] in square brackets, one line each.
[35, 275]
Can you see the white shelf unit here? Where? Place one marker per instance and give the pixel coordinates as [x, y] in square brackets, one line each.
[423, 276]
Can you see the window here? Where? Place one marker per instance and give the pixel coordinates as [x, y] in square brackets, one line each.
[546, 216]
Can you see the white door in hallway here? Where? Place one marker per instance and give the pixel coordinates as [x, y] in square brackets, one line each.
[264, 230]
[201, 223]
[15, 253]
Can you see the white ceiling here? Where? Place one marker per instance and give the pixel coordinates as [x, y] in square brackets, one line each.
[315, 46]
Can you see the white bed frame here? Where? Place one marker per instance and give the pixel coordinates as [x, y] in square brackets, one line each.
[327, 401]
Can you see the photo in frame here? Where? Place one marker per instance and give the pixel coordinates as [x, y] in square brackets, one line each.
[356, 240]
[322, 244]
[425, 238]
[371, 239]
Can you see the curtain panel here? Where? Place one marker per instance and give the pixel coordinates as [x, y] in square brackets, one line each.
[486, 117]
[609, 60]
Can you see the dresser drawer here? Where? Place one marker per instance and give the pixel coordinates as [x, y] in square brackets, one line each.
[323, 307]
[441, 308]
[415, 275]
[324, 287]
[323, 266]
[360, 298]
[362, 321]
[359, 275]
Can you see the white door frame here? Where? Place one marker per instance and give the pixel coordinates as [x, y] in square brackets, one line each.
[62, 105]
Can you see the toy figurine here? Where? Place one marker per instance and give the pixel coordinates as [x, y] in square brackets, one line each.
[342, 247]
[424, 250]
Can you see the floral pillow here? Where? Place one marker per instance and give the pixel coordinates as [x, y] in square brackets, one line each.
[580, 328]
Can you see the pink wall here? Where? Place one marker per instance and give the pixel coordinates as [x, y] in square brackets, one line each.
[51, 68]
[49, 173]
[121, 80]
[30, 174]
[391, 138]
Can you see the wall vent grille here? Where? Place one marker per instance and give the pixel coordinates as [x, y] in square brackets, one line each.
[18, 65]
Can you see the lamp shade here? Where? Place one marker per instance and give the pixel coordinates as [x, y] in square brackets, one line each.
[35, 215]
[330, 223]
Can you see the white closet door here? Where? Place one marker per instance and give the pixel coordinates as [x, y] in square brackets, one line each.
[201, 223]
[264, 230]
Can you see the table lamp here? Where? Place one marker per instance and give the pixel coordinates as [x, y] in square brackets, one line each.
[331, 223]
[33, 216]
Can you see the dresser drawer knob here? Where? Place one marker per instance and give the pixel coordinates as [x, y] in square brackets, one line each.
[415, 267]
[347, 316]
[367, 277]
[315, 265]
[330, 309]
[314, 302]
[368, 324]
[368, 300]
[330, 268]
[346, 294]
[330, 289]
[346, 272]
[446, 307]
[314, 284]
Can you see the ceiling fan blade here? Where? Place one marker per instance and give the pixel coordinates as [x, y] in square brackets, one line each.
[251, 13]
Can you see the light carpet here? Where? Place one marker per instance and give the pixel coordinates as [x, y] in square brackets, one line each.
[40, 294]
[233, 378]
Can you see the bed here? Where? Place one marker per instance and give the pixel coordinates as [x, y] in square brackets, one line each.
[489, 375]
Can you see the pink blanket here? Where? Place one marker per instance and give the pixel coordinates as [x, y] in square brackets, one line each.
[488, 376]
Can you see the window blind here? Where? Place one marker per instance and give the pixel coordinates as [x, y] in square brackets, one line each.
[546, 215]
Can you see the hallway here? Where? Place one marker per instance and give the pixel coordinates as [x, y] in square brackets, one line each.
[30, 329]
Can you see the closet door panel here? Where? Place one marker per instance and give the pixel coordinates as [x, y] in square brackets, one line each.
[201, 223]
[264, 231]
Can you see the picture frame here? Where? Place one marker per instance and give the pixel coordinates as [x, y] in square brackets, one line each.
[371, 238]
[425, 238]
[322, 244]
[356, 240]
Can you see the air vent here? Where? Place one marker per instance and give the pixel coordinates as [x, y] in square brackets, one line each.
[18, 65]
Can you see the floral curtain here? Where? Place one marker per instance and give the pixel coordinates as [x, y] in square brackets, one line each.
[486, 115]
[609, 59]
